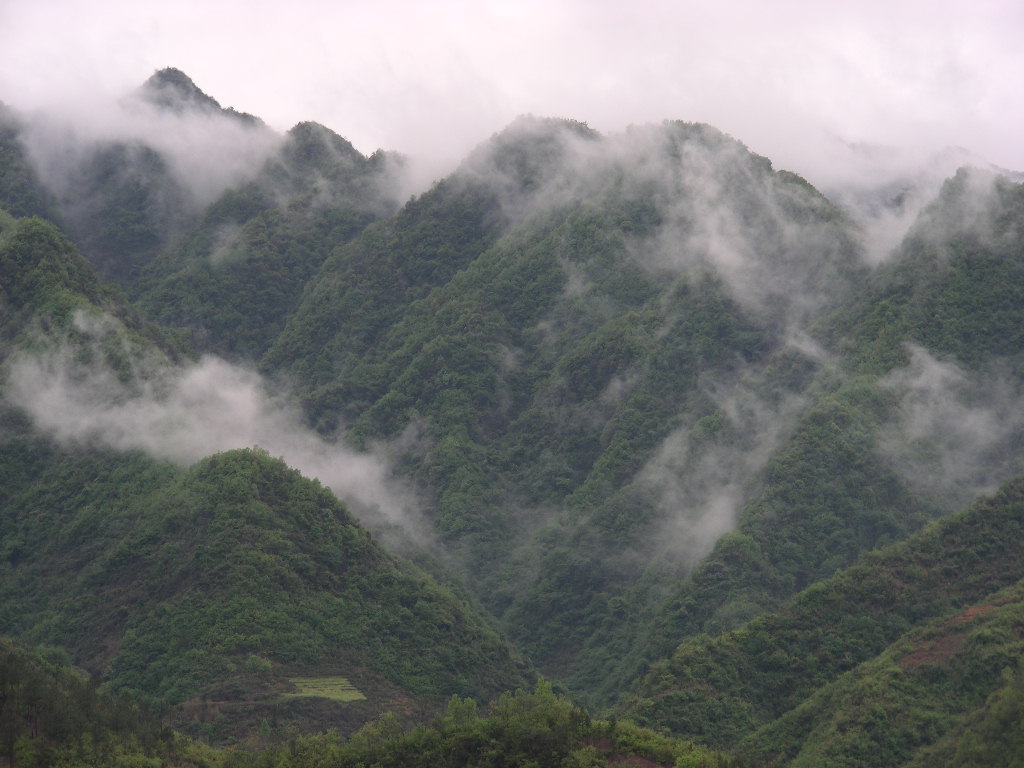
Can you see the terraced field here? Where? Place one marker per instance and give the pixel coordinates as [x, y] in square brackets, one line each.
[334, 688]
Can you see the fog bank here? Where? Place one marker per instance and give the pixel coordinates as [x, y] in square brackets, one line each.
[183, 414]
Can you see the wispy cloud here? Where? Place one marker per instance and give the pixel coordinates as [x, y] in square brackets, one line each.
[182, 414]
[432, 80]
[958, 432]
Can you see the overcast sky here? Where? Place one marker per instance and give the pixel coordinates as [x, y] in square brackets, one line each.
[436, 77]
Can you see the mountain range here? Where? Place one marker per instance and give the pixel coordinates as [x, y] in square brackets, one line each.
[636, 422]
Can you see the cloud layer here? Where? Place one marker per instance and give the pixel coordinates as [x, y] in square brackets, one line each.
[184, 414]
[798, 81]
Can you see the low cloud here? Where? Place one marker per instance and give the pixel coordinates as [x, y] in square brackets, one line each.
[206, 152]
[701, 475]
[434, 80]
[690, 201]
[184, 414]
[885, 189]
[959, 432]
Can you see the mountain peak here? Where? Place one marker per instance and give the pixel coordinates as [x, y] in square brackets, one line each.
[172, 90]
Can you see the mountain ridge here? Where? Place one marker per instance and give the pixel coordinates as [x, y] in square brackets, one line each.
[624, 394]
[172, 90]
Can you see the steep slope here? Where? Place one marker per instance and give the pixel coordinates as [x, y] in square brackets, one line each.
[202, 214]
[645, 389]
[638, 343]
[825, 496]
[719, 689]
[122, 203]
[21, 191]
[917, 415]
[363, 288]
[990, 735]
[221, 583]
[589, 385]
[224, 584]
[939, 325]
[49, 289]
[898, 708]
[129, 184]
[953, 287]
[173, 91]
[239, 273]
[231, 579]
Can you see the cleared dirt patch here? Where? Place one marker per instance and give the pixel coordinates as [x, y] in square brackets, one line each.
[970, 613]
[937, 651]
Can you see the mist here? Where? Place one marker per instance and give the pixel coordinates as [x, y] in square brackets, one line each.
[886, 190]
[206, 152]
[182, 414]
[720, 209]
[794, 80]
[959, 433]
[700, 482]
[715, 210]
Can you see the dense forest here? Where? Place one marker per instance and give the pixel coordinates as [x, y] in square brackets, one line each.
[603, 449]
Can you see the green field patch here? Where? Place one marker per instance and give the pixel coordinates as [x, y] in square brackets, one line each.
[334, 688]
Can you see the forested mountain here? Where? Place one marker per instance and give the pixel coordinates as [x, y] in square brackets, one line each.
[259, 243]
[164, 580]
[52, 713]
[639, 412]
[934, 620]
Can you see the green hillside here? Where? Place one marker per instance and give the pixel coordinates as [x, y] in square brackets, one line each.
[225, 582]
[954, 286]
[217, 583]
[908, 705]
[536, 728]
[21, 190]
[638, 407]
[233, 280]
[48, 288]
[529, 321]
[53, 714]
[717, 689]
[239, 574]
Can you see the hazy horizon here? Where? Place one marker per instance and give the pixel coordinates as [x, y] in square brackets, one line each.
[827, 91]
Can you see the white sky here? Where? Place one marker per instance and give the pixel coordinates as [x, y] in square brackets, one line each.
[433, 79]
